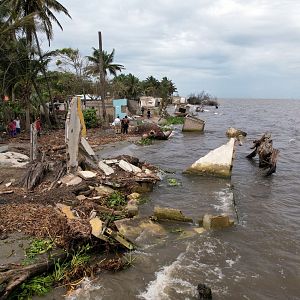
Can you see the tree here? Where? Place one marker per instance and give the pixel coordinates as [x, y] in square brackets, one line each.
[41, 21]
[108, 65]
[151, 86]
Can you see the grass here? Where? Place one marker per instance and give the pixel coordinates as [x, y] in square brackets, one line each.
[174, 120]
[145, 142]
[173, 182]
[116, 199]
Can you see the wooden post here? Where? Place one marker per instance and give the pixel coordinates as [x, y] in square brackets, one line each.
[33, 142]
[102, 77]
[72, 135]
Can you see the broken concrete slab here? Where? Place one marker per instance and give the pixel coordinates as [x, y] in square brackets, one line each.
[216, 222]
[217, 162]
[105, 168]
[104, 190]
[126, 166]
[13, 159]
[87, 174]
[110, 161]
[172, 214]
[86, 146]
[71, 180]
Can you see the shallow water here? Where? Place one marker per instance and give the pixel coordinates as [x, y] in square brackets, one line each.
[256, 259]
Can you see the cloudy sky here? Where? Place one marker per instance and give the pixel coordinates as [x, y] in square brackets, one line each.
[229, 48]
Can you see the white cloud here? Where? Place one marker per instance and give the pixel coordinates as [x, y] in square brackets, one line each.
[227, 47]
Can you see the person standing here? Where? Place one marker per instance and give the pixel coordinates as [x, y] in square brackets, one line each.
[117, 124]
[12, 128]
[142, 110]
[148, 114]
[18, 125]
[125, 123]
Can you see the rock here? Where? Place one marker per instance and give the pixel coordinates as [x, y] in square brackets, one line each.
[13, 159]
[204, 292]
[163, 213]
[132, 210]
[199, 230]
[142, 187]
[216, 222]
[87, 174]
[232, 132]
[217, 162]
[105, 168]
[3, 149]
[81, 197]
[137, 227]
[129, 167]
[103, 190]
[96, 225]
[134, 196]
[71, 180]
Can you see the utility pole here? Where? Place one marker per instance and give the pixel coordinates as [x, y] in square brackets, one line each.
[102, 77]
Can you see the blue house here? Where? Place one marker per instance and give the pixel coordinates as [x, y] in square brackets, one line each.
[121, 108]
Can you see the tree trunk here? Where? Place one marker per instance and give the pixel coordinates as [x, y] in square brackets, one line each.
[46, 77]
[45, 108]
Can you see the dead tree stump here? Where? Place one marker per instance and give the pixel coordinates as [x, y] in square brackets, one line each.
[266, 153]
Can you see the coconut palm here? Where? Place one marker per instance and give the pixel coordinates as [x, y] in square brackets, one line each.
[108, 65]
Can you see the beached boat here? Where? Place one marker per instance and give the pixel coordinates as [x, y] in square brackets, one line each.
[193, 124]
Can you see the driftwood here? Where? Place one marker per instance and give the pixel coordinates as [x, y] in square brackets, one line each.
[12, 275]
[266, 153]
[34, 174]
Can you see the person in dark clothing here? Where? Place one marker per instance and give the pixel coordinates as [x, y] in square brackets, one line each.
[142, 110]
[148, 114]
[125, 125]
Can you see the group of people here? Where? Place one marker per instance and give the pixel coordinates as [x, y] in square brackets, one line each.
[148, 112]
[121, 126]
[14, 126]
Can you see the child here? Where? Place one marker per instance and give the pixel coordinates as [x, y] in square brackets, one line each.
[12, 128]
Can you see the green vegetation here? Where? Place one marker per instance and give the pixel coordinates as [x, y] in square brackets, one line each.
[64, 272]
[35, 248]
[116, 199]
[90, 118]
[145, 142]
[173, 182]
[202, 99]
[171, 120]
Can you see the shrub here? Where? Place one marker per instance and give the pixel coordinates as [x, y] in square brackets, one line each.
[90, 118]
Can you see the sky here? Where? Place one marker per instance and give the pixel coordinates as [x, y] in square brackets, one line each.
[229, 48]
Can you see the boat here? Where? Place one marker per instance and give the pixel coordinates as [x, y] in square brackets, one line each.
[193, 124]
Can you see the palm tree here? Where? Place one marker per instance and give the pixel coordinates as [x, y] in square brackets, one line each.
[151, 86]
[43, 11]
[108, 65]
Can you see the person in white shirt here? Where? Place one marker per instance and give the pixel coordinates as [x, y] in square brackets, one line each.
[117, 124]
[18, 125]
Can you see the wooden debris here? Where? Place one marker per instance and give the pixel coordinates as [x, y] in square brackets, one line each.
[6, 192]
[267, 154]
